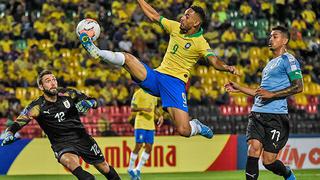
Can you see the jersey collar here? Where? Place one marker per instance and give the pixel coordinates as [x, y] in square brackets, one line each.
[197, 34]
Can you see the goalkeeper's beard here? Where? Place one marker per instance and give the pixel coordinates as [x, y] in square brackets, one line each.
[50, 93]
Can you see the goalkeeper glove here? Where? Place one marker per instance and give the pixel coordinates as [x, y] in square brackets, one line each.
[8, 138]
[84, 105]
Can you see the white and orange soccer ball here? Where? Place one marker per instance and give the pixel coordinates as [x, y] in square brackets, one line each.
[89, 26]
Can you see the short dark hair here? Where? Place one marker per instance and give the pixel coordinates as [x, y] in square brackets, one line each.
[41, 74]
[283, 30]
[200, 12]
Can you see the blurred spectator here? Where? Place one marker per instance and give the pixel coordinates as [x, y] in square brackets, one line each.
[26, 27]
[308, 14]
[212, 35]
[267, 8]
[6, 43]
[299, 23]
[13, 54]
[4, 105]
[229, 35]
[246, 35]
[245, 9]
[296, 41]
[195, 93]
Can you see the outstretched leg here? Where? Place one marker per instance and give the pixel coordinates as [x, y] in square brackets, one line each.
[128, 61]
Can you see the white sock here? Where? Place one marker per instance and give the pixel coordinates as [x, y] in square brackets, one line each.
[195, 129]
[133, 158]
[115, 58]
[144, 157]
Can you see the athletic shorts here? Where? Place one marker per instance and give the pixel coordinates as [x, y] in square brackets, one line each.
[171, 90]
[144, 136]
[86, 147]
[272, 130]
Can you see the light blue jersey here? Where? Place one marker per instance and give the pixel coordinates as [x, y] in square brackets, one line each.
[277, 75]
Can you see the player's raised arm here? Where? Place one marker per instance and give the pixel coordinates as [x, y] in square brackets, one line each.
[234, 87]
[149, 11]
[220, 65]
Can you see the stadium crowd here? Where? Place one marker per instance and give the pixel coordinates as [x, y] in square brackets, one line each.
[41, 34]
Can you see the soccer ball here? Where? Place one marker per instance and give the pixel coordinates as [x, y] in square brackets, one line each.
[90, 26]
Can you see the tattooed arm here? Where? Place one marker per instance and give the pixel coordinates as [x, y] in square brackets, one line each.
[295, 87]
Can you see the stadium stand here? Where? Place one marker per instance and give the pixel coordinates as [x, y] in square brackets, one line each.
[41, 34]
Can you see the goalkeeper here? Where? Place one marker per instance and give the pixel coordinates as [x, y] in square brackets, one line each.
[57, 112]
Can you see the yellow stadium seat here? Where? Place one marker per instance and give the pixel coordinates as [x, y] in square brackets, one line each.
[306, 78]
[314, 89]
[301, 99]
[306, 89]
[201, 70]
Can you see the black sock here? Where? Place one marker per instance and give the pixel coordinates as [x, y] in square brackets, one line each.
[112, 174]
[82, 174]
[252, 168]
[278, 168]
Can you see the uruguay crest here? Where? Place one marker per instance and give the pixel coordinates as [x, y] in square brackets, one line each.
[66, 104]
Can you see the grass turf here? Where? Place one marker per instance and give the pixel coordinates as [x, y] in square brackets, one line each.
[215, 175]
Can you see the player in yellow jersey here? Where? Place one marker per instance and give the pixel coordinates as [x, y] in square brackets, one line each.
[144, 105]
[186, 46]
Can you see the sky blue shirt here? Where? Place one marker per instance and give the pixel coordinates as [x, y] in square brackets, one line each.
[277, 75]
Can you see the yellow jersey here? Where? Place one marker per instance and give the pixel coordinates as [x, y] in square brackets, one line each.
[183, 50]
[142, 99]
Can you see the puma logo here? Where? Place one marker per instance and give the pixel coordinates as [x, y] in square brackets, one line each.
[46, 112]
[275, 145]
[251, 175]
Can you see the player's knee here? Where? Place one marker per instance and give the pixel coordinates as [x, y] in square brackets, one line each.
[128, 58]
[137, 148]
[183, 131]
[148, 148]
[254, 149]
[69, 163]
[268, 160]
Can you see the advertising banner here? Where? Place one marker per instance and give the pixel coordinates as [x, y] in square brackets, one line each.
[300, 153]
[169, 154]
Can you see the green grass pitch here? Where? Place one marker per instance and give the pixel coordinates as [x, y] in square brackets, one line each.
[214, 175]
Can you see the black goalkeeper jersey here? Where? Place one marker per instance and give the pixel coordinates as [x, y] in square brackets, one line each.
[60, 120]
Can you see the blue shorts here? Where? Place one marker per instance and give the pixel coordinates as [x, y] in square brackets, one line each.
[144, 136]
[171, 90]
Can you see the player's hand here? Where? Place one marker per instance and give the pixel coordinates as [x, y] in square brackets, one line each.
[84, 105]
[233, 70]
[8, 138]
[232, 87]
[264, 94]
[160, 121]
